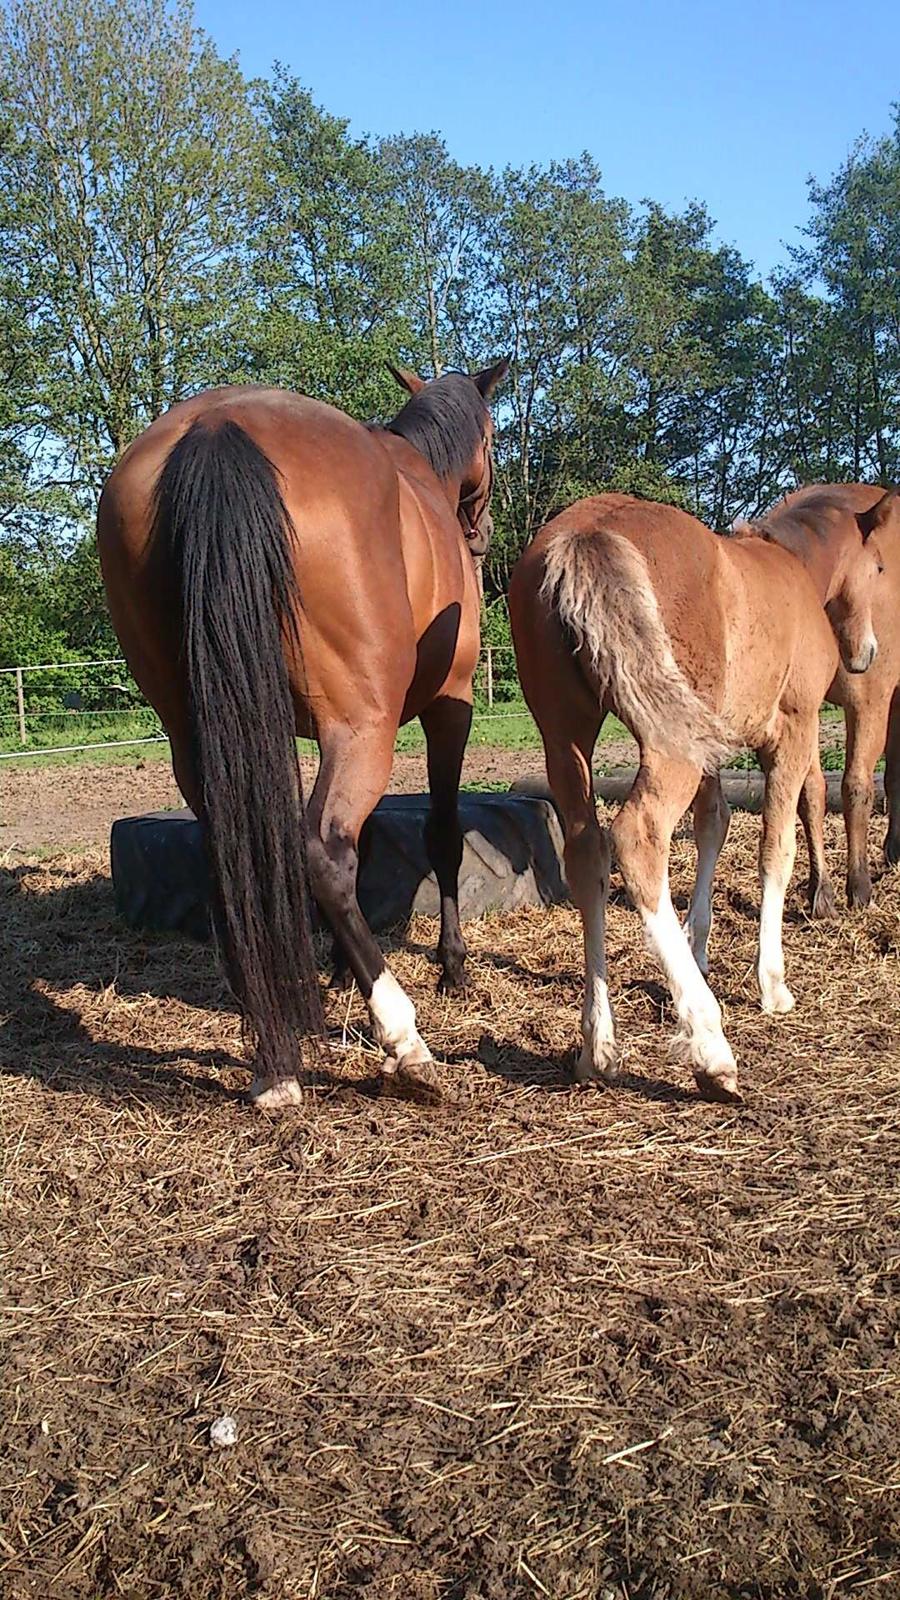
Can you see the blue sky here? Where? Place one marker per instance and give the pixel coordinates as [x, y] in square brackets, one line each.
[735, 105]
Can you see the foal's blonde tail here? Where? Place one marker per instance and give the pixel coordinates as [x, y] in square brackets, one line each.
[601, 590]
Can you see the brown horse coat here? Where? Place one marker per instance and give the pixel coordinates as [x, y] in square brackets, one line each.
[871, 704]
[697, 644]
[273, 568]
[336, 477]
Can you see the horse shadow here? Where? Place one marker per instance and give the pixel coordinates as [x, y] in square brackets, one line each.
[66, 942]
[68, 938]
[553, 1071]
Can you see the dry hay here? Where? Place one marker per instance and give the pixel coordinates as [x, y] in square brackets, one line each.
[531, 1341]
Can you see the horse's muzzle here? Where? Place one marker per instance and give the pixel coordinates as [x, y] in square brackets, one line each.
[864, 657]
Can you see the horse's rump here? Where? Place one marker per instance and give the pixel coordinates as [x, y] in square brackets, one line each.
[601, 588]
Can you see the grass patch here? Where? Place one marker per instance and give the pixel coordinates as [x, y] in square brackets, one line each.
[507, 725]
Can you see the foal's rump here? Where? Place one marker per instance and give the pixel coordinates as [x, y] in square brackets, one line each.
[635, 587]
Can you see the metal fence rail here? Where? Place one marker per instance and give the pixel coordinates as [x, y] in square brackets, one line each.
[51, 708]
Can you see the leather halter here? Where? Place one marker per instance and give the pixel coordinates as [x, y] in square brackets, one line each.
[477, 538]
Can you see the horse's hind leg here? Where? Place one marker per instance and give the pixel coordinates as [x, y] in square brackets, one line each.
[353, 775]
[587, 863]
[866, 737]
[712, 815]
[446, 723]
[892, 784]
[642, 834]
[812, 806]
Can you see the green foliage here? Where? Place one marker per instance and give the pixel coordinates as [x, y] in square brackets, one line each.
[127, 170]
[166, 226]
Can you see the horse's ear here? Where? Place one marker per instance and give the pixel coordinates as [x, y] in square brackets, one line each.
[406, 379]
[878, 514]
[487, 381]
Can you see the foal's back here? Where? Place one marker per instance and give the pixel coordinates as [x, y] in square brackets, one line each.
[742, 617]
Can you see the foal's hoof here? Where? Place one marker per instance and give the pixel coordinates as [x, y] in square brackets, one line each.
[777, 1001]
[859, 891]
[892, 850]
[341, 980]
[720, 1084]
[603, 1067]
[278, 1096]
[823, 906]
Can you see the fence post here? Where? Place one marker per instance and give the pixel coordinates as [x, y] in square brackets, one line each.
[490, 676]
[20, 697]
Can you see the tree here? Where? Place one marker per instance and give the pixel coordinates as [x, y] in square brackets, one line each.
[855, 252]
[329, 273]
[126, 169]
[439, 207]
[557, 256]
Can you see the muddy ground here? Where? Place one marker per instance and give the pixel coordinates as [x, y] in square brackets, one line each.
[43, 805]
[530, 1341]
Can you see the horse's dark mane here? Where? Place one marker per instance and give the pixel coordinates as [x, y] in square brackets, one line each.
[807, 513]
[444, 422]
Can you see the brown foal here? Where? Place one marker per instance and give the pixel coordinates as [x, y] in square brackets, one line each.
[871, 705]
[275, 568]
[871, 702]
[698, 644]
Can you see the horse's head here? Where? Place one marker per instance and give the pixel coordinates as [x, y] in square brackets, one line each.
[849, 606]
[449, 420]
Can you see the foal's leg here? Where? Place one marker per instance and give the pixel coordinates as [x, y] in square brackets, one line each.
[712, 814]
[569, 717]
[786, 766]
[641, 835]
[446, 723]
[892, 784]
[587, 863]
[812, 807]
[866, 737]
[353, 775]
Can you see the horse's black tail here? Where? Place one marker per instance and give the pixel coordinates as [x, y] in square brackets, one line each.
[222, 522]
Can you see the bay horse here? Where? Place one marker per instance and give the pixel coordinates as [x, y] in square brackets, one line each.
[697, 644]
[274, 568]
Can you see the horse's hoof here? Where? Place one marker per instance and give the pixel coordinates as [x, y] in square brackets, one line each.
[278, 1096]
[605, 1067]
[413, 1076]
[859, 891]
[452, 982]
[892, 850]
[777, 1000]
[719, 1084]
[823, 906]
[341, 980]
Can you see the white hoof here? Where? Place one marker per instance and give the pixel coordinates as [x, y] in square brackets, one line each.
[712, 1059]
[600, 1063]
[777, 999]
[277, 1096]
